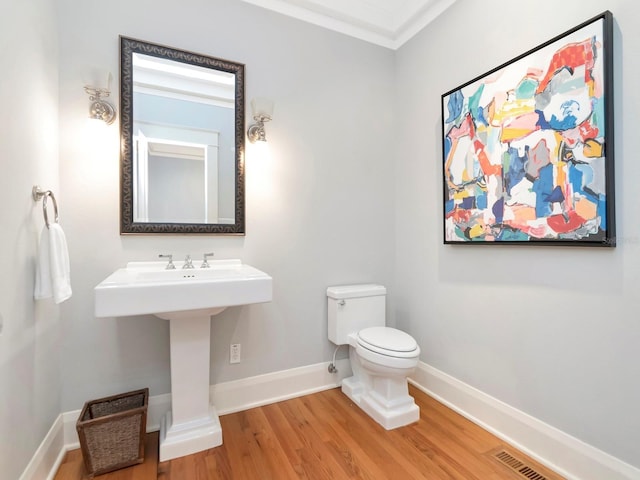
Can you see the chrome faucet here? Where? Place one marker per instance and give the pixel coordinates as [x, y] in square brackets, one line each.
[205, 264]
[188, 263]
[170, 265]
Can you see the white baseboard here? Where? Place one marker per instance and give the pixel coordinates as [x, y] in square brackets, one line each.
[274, 387]
[45, 462]
[559, 451]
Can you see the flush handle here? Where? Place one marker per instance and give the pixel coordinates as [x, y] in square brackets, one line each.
[342, 303]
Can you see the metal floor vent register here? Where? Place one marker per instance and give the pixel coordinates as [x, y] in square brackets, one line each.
[518, 466]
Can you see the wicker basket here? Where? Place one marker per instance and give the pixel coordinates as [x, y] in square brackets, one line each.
[111, 431]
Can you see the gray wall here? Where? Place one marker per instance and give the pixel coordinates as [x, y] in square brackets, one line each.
[319, 208]
[551, 331]
[30, 382]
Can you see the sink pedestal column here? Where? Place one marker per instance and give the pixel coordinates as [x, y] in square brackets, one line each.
[192, 424]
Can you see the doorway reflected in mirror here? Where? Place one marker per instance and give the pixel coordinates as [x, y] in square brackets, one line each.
[182, 141]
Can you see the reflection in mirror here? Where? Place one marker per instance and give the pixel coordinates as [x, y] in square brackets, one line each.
[182, 119]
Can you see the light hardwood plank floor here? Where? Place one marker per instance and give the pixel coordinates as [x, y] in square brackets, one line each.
[325, 436]
[72, 467]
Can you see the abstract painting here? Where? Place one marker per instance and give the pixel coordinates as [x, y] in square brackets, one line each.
[528, 147]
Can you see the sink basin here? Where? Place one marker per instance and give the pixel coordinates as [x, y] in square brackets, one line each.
[147, 288]
[187, 298]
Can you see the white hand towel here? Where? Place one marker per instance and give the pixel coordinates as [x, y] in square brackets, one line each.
[53, 276]
[59, 264]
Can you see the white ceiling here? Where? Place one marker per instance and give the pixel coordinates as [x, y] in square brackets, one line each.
[388, 23]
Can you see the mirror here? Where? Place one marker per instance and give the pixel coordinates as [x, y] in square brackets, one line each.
[182, 141]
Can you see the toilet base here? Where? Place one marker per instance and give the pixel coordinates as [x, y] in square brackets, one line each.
[390, 411]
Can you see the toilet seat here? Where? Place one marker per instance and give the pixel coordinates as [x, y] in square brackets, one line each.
[389, 342]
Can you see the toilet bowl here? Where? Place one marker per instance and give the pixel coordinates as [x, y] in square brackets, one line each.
[381, 357]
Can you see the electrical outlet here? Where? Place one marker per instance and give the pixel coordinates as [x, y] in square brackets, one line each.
[234, 353]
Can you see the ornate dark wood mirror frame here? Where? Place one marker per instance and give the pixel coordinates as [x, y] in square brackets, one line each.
[128, 47]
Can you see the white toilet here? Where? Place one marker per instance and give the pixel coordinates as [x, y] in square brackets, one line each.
[381, 357]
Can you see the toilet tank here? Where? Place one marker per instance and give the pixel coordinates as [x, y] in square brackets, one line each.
[350, 308]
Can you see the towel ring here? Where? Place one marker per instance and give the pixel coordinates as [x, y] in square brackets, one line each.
[44, 194]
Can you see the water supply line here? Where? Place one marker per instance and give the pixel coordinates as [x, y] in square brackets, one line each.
[332, 366]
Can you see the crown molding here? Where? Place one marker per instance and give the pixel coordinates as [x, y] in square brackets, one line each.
[386, 23]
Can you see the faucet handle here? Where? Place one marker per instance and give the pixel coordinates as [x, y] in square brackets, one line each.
[205, 264]
[170, 265]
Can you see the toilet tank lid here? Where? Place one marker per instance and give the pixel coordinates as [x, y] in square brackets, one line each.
[355, 291]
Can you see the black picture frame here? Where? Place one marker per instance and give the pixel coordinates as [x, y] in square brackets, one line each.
[528, 147]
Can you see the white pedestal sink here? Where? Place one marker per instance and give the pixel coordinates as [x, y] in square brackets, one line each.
[188, 299]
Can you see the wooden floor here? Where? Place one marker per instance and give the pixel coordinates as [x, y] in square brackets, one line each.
[325, 436]
[72, 467]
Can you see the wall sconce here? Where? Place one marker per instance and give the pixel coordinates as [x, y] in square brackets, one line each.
[100, 109]
[262, 111]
